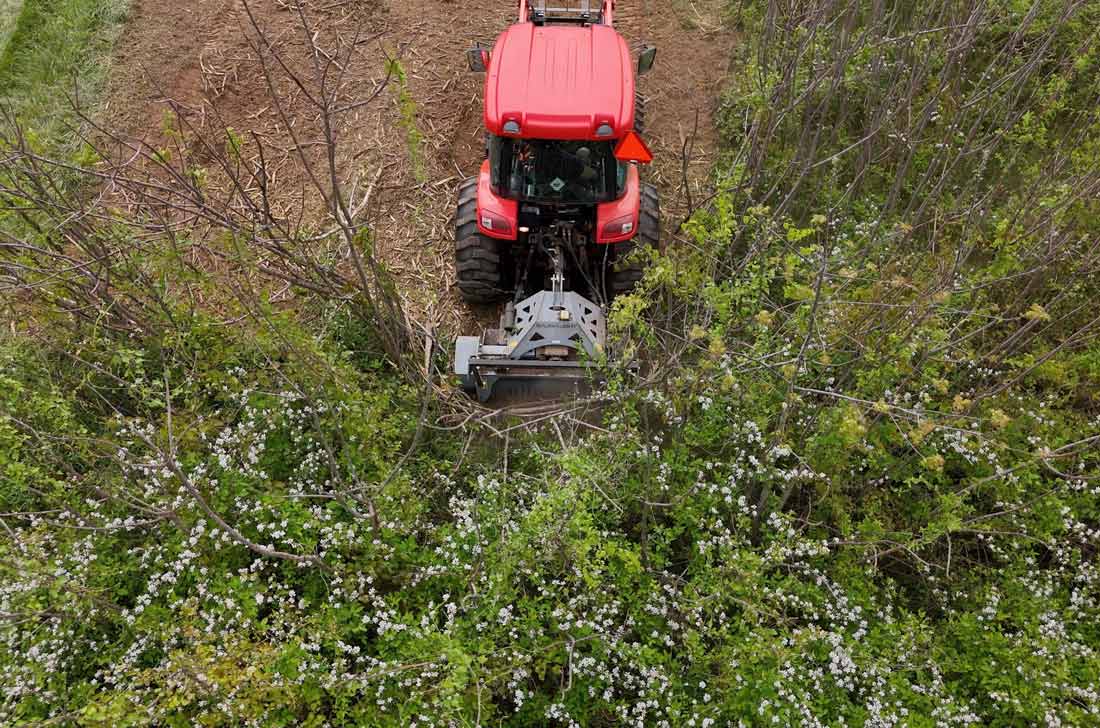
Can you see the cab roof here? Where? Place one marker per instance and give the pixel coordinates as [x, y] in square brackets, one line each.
[560, 82]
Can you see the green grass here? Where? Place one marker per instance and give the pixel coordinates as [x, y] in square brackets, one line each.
[56, 52]
[9, 13]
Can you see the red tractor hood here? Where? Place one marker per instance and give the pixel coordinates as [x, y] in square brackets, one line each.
[560, 82]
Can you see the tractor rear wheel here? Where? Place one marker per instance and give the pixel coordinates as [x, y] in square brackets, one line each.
[639, 112]
[479, 259]
[628, 270]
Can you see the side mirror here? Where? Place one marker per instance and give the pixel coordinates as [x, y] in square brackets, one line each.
[646, 59]
[478, 59]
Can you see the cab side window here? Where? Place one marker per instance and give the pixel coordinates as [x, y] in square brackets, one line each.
[500, 163]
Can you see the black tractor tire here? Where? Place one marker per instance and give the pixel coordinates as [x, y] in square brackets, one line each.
[629, 269]
[479, 259]
[639, 112]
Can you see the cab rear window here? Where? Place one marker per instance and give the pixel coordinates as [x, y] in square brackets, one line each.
[580, 172]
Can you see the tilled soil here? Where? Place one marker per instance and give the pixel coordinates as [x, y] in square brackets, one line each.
[196, 56]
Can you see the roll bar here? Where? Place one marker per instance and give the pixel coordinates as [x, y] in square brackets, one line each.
[566, 11]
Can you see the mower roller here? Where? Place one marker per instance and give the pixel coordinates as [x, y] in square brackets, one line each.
[549, 222]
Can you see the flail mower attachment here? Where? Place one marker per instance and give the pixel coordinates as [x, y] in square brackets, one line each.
[547, 344]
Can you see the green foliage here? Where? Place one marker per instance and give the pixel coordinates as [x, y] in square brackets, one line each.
[406, 108]
[9, 14]
[55, 56]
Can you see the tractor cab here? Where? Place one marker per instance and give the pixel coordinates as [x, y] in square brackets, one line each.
[560, 101]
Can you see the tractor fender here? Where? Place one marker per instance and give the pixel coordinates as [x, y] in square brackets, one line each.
[611, 217]
[497, 217]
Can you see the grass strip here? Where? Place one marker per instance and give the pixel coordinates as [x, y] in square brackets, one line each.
[57, 53]
[9, 13]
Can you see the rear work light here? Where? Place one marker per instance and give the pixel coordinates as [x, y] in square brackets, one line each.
[496, 223]
[620, 228]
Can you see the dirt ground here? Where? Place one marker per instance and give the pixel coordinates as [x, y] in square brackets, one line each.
[197, 55]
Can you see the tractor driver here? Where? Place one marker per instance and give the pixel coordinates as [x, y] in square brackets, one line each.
[576, 167]
[581, 184]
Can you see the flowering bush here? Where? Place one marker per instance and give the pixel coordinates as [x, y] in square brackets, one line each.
[264, 566]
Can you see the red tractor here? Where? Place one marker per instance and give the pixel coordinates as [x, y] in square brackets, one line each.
[558, 205]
